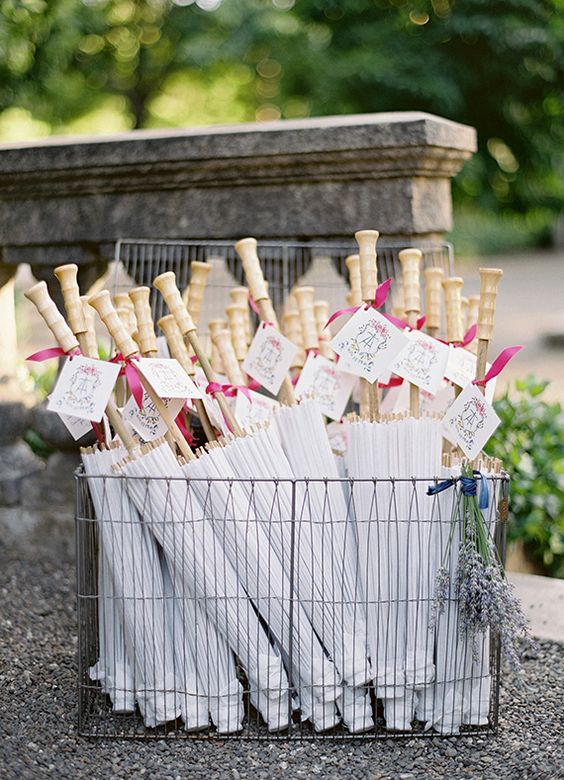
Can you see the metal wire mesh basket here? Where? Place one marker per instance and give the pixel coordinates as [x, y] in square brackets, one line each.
[219, 610]
[284, 264]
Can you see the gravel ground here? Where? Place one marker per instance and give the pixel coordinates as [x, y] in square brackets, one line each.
[38, 705]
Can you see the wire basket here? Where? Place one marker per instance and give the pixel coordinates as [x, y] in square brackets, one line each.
[239, 624]
[284, 264]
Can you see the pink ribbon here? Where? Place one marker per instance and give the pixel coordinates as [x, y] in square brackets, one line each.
[468, 338]
[395, 381]
[253, 305]
[228, 390]
[188, 435]
[52, 352]
[498, 365]
[253, 384]
[131, 376]
[379, 300]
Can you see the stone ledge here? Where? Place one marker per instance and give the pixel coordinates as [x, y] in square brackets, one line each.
[542, 599]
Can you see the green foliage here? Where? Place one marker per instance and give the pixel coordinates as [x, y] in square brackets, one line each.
[42, 378]
[529, 441]
[498, 65]
[37, 445]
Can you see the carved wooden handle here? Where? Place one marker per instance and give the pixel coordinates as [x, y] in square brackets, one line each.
[125, 318]
[140, 297]
[39, 296]
[398, 303]
[109, 316]
[176, 345]
[238, 319]
[472, 313]
[215, 326]
[166, 284]
[89, 343]
[410, 260]
[240, 297]
[433, 296]
[366, 240]
[464, 306]
[489, 280]
[353, 264]
[67, 276]
[321, 313]
[195, 291]
[246, 248]
[222, 340]
[453, 293]
[304, 297]
[293, 331]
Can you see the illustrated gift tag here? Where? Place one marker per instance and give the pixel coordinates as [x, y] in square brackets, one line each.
[76, 426]
[146, 421]
[269, 358]
[397, 399]
[470, 421]
[84, 388]
[258, 410]
[461, 369]
[167, 378]
[330, 386]
[367, 344]
[422, 361]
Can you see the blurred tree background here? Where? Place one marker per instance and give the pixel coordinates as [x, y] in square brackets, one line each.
[103, 66]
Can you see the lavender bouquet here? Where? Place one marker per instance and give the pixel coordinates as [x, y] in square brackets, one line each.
[485, 597]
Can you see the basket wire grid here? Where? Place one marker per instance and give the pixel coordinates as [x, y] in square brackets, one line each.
[284, 264]
[398, 661]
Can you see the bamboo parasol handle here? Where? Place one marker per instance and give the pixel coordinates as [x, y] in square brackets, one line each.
[410, 260]
[166, 284]
[453, 309]
[489, 280]
[194, 294]
[39, 296]
[321, 313]
[433, 298]
[90, 347]
[103, 305]
[353, 264]
[146, 339]
[238, 318]
[366, 240]
[222, 340]
[179, 352]
[304, 297]
[293, 331]
[67, 277]
[246, 248]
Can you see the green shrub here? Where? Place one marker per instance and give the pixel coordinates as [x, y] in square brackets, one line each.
[530, 442]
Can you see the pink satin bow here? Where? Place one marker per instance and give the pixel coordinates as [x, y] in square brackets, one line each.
[379, 300]
[228, 390]
[131, 376]
[498, 365]
[52, 352]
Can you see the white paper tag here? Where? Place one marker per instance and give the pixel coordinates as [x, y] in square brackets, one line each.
[396, 399]
[147, 421]
[330, 386]
[269, 358]
[422, 361]
[162, 347]
[84, 388]
[261, 409]
[470, 421]
[367, 344]
[167, 378]
[76, 426]
[461, 369]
